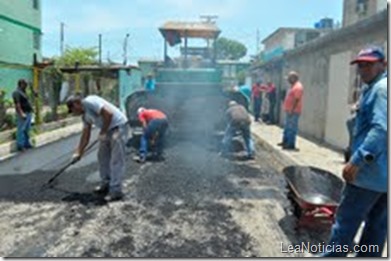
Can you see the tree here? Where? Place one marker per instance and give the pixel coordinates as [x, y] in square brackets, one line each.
[228, 49]
[84, 56]
[54, 78]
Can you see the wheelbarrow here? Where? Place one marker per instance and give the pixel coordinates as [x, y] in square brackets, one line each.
[314, 194]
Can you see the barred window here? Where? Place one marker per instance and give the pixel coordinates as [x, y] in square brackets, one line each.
[35, 4]
[361, 6]
[36, 40]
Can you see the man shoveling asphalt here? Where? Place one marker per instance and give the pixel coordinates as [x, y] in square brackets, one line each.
[113, 132]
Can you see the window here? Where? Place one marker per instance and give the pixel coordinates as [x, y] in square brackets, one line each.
[35, 4]
[361, 6]
[36, 40]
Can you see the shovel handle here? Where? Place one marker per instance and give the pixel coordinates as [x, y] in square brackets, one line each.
[58, 173]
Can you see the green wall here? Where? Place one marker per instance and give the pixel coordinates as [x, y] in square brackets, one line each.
[9, 78]
[129, 82]
[19, 21]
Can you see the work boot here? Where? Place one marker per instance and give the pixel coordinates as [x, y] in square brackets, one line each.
[250, 157]
[102, 189]
[159, 157]
[114, 196]
[141, 159]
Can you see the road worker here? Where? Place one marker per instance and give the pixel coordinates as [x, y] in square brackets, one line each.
[112, 139]
[238, 120]
[154, 123]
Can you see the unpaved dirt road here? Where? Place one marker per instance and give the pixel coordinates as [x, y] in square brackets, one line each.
[194, 204]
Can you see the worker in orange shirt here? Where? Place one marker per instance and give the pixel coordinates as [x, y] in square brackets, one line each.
[154, 123]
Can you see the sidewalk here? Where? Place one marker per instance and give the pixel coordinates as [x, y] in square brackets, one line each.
[8, 149]
[309, 154]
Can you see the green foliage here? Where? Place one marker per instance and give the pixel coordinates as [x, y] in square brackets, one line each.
[84, 56]
[228, 49]
[8, 103]
[241, 77]
[9, 121]
[62, 109]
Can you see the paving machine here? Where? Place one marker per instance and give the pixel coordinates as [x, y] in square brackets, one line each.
[188, 88]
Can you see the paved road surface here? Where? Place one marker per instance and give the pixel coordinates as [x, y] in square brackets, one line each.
[194, 204]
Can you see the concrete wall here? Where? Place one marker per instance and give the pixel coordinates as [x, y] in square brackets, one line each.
[129, 82]
[10, 76]
[284, 39]
[352, 16]
[19, 21]
[328, 80]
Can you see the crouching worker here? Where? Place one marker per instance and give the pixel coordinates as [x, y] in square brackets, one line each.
[238, 120]
[112, 138]
[154, 123]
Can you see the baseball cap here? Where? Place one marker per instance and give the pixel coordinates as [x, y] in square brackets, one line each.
[369, 54]
[232, 103]
[140, 110]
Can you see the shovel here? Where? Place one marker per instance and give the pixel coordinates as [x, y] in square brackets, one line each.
[62, 170]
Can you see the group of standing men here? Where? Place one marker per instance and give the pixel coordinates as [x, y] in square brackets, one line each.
[364, 197]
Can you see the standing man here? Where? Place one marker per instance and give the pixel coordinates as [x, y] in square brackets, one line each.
[272, 97]
[112, 139]
[24, 113]
[364, 198]
[150, 84]
[154, 123]
[238, 119]
[256, 94]
[293, 105]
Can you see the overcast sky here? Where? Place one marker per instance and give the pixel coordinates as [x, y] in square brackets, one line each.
[238, 19]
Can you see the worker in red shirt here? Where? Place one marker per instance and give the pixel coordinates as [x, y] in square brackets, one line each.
[154, 124]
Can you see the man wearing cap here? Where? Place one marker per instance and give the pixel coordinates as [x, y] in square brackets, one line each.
[154, 123]
[238, 120]
[150, 84]
[293, 105]
[364, 198]
[112, 136]
[24, 113]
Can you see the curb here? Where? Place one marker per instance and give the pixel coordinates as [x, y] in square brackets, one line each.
[283, 159]
[8, 150]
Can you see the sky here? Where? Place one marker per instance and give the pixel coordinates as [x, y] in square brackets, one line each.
[238, 19]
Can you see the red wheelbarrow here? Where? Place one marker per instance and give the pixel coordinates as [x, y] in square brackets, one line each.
[314, 194]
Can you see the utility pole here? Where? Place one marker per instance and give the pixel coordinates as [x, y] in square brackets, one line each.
[257, 43]
[126, 49]
[62, 25]
[100, 49]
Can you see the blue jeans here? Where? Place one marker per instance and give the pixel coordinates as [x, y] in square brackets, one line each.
[358, 205]
[22, 132]
[291, 129]
[246, 134]
[155, 127]
[257, 108]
